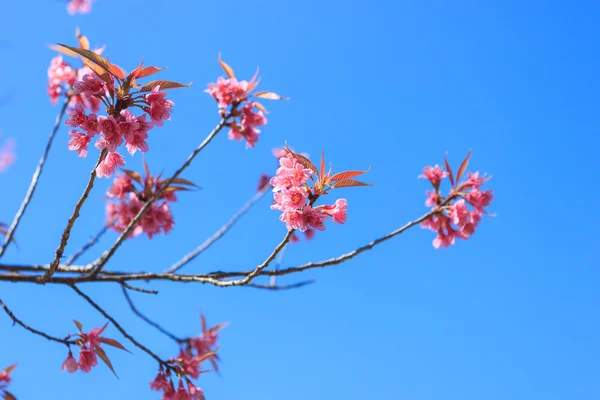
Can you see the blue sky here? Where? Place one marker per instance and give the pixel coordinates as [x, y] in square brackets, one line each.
[512, 313]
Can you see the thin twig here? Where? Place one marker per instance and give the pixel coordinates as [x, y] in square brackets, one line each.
[65, 236]
[89, 244]
[99, 264]
[119, 327]
[219, 234]
[148, 320]
[32, 330]
[35, 178]
[137, 289]
[281, 287]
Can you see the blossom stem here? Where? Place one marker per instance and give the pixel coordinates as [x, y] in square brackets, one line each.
[99, 263]
[36, 177]
[219, 234]
[67, 232]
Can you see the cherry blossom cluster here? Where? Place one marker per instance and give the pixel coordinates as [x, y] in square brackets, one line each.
[89, 350]
[232, 97]
[187, 366]
[295, 197]
[7, 155]
[458, 214]
[125, 201]
[108, 84]
[79, 6]
[4, 381]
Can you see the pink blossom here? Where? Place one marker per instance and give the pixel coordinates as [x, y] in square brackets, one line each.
[112, 137]
[7, 155]
[90, 125]
[160, 108]
[474, 181]
[443, 240]
[434, 174]
[93, 338]
[59, 74]
[195, 392]
[87, 359]
[432, 198]
[189, 365]
[122, 185]
[313, 218]
[290, 173]
[90, 85]
[251, 118]
[292, 198]
[226, 91]
[108, 166]
[76, 115]
[310, 234]
[160, 383]
[293, 220]
[79, 141]
[79, 6]
[128, 123]
[480, 199]
[204, 343]
[337, 211]
[459, 213]
[70, 364]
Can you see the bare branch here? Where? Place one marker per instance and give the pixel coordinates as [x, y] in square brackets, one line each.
[65, 236]
[119, 327]
[99, 264]
[281, 287]
[89, 244]
[35, 178]
[148, 320]
[32, 330]
[137, 289]
[219, 234]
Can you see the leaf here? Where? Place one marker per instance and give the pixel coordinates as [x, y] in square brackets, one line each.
[114, 343]
[116, 70]
[253, 82]
[463, 166]
[133, 175]
[103, 328]
[8, 396]
[348, 174]
[93, 57]
[64, 51]
[10, 369]
[79, 326]
[175, 189]
[449, 170]
[322, 172]
[304, 161]
[260, 107]
[84, 43]
[228, 70]
[203, 323]
[103, 357]
[149, 71]
[269, 96]
[349, 183]
[163, 85]
[136, 72]
[182, 181]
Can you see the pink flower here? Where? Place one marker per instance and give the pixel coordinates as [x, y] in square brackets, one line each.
[226, 91]
[7, 155]
[434, 174]
[251, 118]
[292, 198]
[160, 108]
[479, 199]
[59, 74]
[93, 338]
[111, 134]
[293, 220]
[79, 6]
[474, 181]
[189, 365]
[182, 393]
[76, 115]
[443, 240]
[195, 392]
[310, 234]
[87, 359]
[459, 213]
[337, 211]
[160, 383]
[108, 166]
[79, 141]
[128, 123]
[204, 343]
[90, 85]
[290, 173]
[432, 198]
[313, 218]
[70, 364]
[120, 187]
[90, 125]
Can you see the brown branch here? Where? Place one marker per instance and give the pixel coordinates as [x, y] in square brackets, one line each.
[148, 320]
[89, 244]
[35, 178]
[32, 330]
[120, 328]
[219, 234]
[99, 264]
[67, 233]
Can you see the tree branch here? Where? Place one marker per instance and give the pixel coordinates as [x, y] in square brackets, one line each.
[99, 264]
[32, 330]
[35, 178]
[219, 234]
[65, 236]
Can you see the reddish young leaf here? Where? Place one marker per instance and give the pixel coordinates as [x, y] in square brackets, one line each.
[103, 328]
[133, 175]
[253, 82]
[203, 319]
[114, 343]
[78, 324]
[182, 181]
[322, 171]
[10, 369]
[104, 357]
[349, 183]
[463, 166]
[8, 396]
[305, 162]
[163, 85]
[116, 70]
[269, 96]
[260, 107]
[136, 72]
[93, 57]
[348, 174]
[64, 51]
[449, 171]
[149, 71]
[228, 70]
[176, 189]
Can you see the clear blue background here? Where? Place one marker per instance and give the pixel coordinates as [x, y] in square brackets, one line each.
[510, 314]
